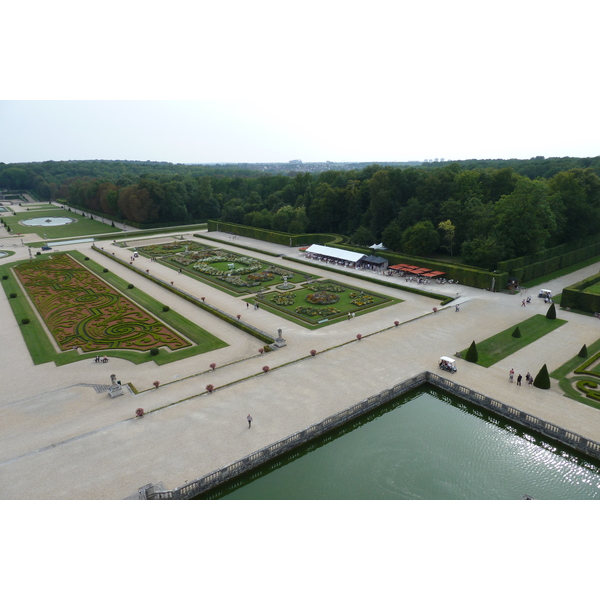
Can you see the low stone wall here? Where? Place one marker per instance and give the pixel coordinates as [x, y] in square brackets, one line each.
[283, 446]
[258, 458]
[564, 436]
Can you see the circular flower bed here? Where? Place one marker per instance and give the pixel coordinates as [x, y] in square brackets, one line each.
[322, 298]
[284, 299]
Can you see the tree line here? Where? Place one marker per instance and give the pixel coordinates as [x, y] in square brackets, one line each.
[471, 210]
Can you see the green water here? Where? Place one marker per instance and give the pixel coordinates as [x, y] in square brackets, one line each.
[424, 445]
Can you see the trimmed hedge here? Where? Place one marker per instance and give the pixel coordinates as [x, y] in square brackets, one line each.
[586, 245]
[472, 354]
[575, 295]
[465, 274]
[550, 260]
[215, 311]
[276, 237]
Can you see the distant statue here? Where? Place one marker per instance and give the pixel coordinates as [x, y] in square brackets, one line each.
[279, 332]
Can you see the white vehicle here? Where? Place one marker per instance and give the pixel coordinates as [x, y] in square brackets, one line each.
[447, 364]
[545, 294]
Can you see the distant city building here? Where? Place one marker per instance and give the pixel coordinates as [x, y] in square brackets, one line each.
[296, 162]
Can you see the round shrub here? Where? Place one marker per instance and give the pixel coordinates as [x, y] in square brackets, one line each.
[153, 351]
[5, 277]
[130, 286]
[105, 270]
[13, 295]
[25, 321]
[87, 258]
[166, 309]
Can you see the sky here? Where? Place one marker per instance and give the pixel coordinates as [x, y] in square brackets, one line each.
[271, 81]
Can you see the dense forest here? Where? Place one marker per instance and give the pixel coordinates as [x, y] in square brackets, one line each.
[483, 211]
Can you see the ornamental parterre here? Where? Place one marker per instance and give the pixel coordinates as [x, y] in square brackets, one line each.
[83, 311]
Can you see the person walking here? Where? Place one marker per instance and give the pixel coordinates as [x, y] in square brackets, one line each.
[529, 378]
[457, 307]
[249, 418]
[519, 379]
[511, 375]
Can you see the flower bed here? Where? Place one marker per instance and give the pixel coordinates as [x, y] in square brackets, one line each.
[83, 311]
[326, 287]
[322, 298]
[361, 299]
[284, 299]
[309, 311]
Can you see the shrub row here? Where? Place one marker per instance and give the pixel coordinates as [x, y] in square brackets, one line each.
[590, 246]
[575, 295]
[214, 311]
[205, 237]
[465, 274]
[275, 237]
[550, 265]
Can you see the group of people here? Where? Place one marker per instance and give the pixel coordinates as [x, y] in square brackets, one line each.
[104, 359]
[528, 377]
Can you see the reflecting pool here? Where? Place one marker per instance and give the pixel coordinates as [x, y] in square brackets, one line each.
[47, 221]
[424, 445]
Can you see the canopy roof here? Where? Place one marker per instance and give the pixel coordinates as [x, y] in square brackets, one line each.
[375, 259]
[335, 253]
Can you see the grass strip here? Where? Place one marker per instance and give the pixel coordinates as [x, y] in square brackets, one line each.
[503, 344]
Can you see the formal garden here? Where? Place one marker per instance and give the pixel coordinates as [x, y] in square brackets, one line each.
[231, 272]
[297, 296]
[322, 301]
[579, 378]
[51, 223]
[90, 311]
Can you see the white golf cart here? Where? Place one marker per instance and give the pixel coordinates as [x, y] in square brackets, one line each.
[447, 364]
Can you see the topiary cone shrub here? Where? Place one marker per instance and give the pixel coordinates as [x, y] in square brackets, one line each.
[472, 354]
[583, 352]
[551, 314]
[516, 333]
[542, 379]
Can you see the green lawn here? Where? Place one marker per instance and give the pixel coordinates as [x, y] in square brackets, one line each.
[501, 345]
[83, 226]
[350, 300]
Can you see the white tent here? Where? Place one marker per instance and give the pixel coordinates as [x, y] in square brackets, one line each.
[335, 253]
[378, 247]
